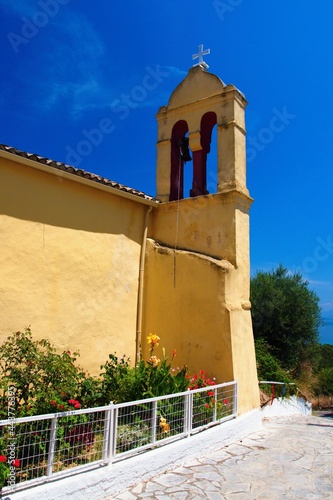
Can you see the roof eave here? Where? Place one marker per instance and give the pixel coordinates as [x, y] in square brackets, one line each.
[74, 177]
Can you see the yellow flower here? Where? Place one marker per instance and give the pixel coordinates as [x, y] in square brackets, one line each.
[154, 361]
[165, 427]
[153, 340]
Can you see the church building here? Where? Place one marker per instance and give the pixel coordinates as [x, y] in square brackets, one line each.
[96, 266]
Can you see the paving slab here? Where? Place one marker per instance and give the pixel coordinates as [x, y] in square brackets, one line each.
[290, 458]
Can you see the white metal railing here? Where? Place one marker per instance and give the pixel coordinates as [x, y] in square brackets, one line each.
[55, 445]
[284, 389]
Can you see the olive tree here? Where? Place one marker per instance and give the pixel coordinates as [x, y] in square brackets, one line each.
[286, 314]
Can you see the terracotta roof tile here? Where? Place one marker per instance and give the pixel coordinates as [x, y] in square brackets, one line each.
[76, 171]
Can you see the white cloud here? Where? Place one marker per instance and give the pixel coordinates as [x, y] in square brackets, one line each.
[176, 71]
[74, 71]
[327, 306]
[320, 283]
[63, 66]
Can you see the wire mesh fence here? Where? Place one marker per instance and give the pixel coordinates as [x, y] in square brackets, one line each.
[47, 446]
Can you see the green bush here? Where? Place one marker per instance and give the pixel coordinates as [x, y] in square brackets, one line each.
[35, 379]
[43, 380]
[267, 365]
[324, 384]
[155, 377]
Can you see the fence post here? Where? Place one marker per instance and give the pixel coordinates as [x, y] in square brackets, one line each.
[215, 406]
[113, 431]
[235, 401]
[107, 433]
[188, 412]
[53, 434]
[153, 422]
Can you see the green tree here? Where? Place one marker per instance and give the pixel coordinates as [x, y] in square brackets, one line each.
[326, 381]
[287, 316]
[326, 356]
[267, 365]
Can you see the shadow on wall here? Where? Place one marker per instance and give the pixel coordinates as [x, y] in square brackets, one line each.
[37, 196]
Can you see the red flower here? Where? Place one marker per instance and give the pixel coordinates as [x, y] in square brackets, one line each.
[3, 458]
[75, 403]
[207, 405]
[53, 403]
[61, 407]
[210, 393]
[225, 401]
[16, 462]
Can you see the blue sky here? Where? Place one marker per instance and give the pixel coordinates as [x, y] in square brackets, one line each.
[70, 68]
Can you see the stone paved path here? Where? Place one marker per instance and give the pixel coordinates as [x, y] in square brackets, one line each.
[291, 457]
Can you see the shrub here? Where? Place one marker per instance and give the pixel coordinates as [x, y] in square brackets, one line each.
[47, 382]
[267, 365]
[43, 381]
[154, 377]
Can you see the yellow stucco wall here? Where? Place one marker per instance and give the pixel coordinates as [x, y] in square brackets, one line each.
[205, 224]
[184, 296]
[69, 263]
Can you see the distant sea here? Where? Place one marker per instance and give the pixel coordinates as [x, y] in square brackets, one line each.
[326, 332]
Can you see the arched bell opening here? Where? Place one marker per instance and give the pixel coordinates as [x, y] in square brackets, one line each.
[179, 155]
[199, 187]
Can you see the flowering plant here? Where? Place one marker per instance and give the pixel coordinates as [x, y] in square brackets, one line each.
[5, 468]
[199, 380]
[43, 379]
[160, 377]
[60, 405]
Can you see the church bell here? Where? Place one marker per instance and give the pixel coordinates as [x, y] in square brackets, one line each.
[184, 149]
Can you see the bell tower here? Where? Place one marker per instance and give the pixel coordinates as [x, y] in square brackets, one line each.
[197, 279]
[199, 103]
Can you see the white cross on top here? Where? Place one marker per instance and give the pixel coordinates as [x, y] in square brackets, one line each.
[199, 55]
